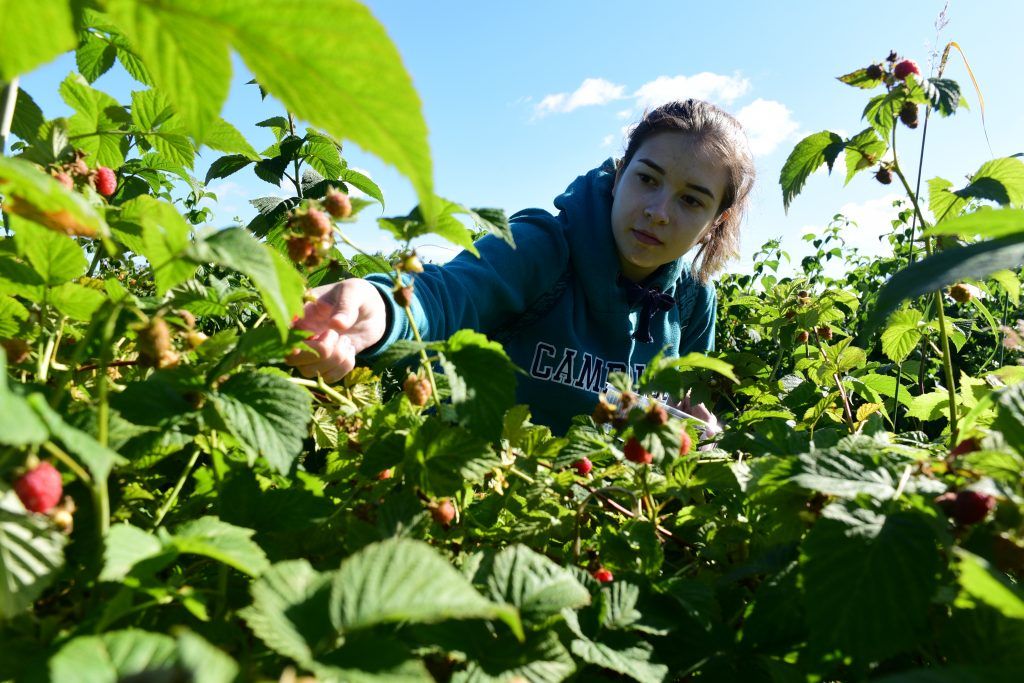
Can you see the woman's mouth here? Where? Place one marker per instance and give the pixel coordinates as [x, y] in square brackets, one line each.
[646, 238]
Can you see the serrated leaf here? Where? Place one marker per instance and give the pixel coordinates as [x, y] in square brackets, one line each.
[986, 223]
[124, 547]
[902, 334]
[441, 459]
[808, 155]
[34, 33]
[75, 301]
[19, 425]
[362, 183]
[165, 240]
[942, 93]
[98, 459]
[28, 118]
[279, 284]
[224, 137]
[12, 315]
[218, 540]
[666, 374]
[942, 202]
[94, 56]
[998, 180]
[863, 150]
[31, 554]
[267, 414]
[98, 123]
[206, 663]
[980, 582]
[280, 588]
[35, 196]
[868, 581]
[226, 166]
[112, 657]
[835, 473]
[402, 580]
[975, 261]
[1010, 415]
[930, 406]
[482, 380]
[534, 584]
[860, 79]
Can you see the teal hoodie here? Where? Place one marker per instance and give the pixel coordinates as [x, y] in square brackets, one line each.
[566, 346]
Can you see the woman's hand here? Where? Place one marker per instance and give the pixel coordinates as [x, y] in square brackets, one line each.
[346, 318]
[701, 412]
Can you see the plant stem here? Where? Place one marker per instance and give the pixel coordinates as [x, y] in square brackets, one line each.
[177, 489]
[62, 455]
[297, 179]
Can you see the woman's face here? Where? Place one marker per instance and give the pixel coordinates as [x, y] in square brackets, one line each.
[665, 201]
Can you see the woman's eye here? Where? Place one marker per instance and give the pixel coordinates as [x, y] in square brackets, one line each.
[690, 200]
[645, 178]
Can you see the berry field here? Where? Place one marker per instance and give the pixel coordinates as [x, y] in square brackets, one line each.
[177, 503]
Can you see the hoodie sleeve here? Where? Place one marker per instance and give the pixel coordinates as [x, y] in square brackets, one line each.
[480, 293]
[700, 331]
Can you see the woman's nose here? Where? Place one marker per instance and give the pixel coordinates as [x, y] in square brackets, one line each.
[656, 212]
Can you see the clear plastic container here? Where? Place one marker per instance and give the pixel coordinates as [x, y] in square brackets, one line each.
[613, 396]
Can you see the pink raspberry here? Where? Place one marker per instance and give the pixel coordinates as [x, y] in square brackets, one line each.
[635, 452]
[65, 180]
[602, 575]
[106, 181]
[685, 443]
[583, 466]
[337, 204]
[905, 68]
[40, 488]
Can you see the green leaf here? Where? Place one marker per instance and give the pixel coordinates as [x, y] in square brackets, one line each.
[227, 165]
[401, 580]
[361, 182]
[860, 79]
[863, 150]
[482, 380]
[186, 57]
[218, 540]
[902, 334]
[975, 261]
[808, 155]
[835, 473]
[12, 315]
[986, 223]
[206, 663]
[980, 582]
[942, 93]
[930, 406]
[55, 257]
[371, 658]
[868, 581]
[98, 459]
[162, 236]
[1010, 415]
[224, 137]
[630, 658]
[112, 657]
[94, 56]
[279, 284]
[33, 34]
[35, 196]
[666, 374]
[76, 301]
[881, 112]
[445, 224]
[441, 459]
[267, 414]
[125, 547]
[533, 583]
[28, 118]
[98, 123]
[998, 180]
[1010, 282]
[31, 554]
[19, 425]
[349, 82]
[942, 202]
[271, 615]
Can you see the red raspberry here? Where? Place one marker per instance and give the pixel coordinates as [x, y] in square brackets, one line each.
[972, 507]
[444, 512]
[602, 575]
[40, 489]
[106, 181]
[417, 389]
[966, 446]
[337, 204]
[905, 68]
[685, 443]
[635, 452]
[65, 180]
[583, 466]
[316, 224]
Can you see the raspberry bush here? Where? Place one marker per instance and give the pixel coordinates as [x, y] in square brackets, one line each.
[176, 503]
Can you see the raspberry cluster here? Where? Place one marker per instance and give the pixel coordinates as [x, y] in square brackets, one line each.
[311, 227]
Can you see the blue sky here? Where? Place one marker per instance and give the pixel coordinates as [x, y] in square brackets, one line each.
[520, 98]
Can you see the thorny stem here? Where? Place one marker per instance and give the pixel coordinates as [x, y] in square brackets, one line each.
[177, 489]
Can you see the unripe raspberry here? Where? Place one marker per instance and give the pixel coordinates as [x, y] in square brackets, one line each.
[40, 488]
[802, 294]
[444, 512]
[583, 466]
[884, 176]
[802, 337]
[657, 415]
[908, 114]
[384, 475]
[337, 204]
[602, 575]
[635, 452]
[417, 390]
[825, 332]
[17, 350]
[106, 181]
[960, 293]
[604, 412]
[790, 314]
[195, 339]
[78, 167]
[316, 225]
[155, 349]
[63, 515]
[65, 180]
[410, 264]
[299, 249]
[966, 446]
[905, 68]
[685, 443]
[403, 296]
[874, 72]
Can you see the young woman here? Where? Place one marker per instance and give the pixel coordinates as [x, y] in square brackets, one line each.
[601, 287]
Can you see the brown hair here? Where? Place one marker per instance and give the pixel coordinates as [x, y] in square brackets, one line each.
[722, 136]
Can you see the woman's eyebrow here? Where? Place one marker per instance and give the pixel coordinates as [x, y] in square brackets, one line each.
[659, 169]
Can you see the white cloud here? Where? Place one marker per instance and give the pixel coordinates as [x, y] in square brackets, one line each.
[608, 141]
[768, 124]
[704, 86]
[873, 219]
[593, 91]
[625, 113]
